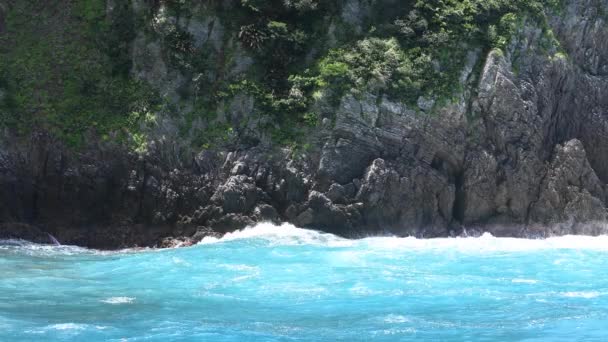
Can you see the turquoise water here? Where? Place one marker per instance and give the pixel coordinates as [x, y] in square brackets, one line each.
[287, 284]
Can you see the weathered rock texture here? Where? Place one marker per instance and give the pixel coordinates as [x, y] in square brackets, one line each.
[523, 152]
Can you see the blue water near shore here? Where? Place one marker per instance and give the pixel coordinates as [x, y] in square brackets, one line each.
[286, 284]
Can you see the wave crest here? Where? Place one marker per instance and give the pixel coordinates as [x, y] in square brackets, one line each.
[284, 234]
[288, 234]
[35, 249]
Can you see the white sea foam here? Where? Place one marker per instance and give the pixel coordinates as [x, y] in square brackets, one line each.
[396, 319]
[30, 248]
[407, 331]
[243, 278]
[489, 243]
[524, 281]
[118, 300]
[240, 267]
[287, 234]
[68, 326]
[13, 242]
[64, 328]
[581, 294]
[71, 328]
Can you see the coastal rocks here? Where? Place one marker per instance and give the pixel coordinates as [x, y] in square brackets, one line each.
[480, 189]
[237, 195]
[571, 193]
[266, 213]
[418, 202]
[186, 241]
[582, 31]
[321, 213]
[520, 151]
[341, 194]
[23, 231]
[355, 140]
[503, 162]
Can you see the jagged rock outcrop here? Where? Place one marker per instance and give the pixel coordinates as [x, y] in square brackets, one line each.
[521, 151]
[572, 198]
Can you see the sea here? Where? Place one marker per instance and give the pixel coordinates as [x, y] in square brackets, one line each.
[282, 283]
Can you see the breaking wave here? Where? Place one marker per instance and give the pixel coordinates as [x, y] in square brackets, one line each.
[288, 234]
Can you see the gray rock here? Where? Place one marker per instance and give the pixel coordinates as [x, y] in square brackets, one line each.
[571, 191]
[265, 212]
[237, 195]
[425, 104]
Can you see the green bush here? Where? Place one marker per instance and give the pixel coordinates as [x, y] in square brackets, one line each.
[422, 53]
[377, 65]
[75, 80]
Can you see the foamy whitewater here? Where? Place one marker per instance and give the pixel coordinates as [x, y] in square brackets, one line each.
[271, 283]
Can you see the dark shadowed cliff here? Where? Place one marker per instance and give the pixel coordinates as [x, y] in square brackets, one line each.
[127, 122]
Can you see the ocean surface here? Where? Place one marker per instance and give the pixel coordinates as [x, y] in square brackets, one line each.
[287, 284]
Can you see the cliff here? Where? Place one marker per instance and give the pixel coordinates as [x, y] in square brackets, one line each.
[128, 122]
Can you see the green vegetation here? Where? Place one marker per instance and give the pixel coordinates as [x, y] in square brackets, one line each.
[378, 65]
[421, 51]
[68, 69]
[416, 49]
[278, 35]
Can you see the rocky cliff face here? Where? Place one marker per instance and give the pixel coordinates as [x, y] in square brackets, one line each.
[521, 150]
